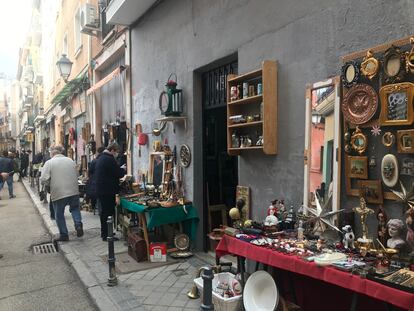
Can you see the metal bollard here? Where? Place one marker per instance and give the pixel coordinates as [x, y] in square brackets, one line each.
[208, 277]
[112, 280]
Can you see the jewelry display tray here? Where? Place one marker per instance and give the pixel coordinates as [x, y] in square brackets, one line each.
[390, 284]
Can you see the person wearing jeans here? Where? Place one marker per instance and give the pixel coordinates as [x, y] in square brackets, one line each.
[61, 175]
[59, 207]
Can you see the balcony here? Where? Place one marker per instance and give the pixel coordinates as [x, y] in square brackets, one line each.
[126, 12]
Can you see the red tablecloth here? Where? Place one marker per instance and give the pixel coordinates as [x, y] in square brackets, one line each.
[229, 245]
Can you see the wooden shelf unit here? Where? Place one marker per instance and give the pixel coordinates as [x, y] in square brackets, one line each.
[268, 74]
[246, 124]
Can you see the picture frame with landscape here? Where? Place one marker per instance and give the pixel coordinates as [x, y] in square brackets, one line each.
[371, 190]
[357, 167]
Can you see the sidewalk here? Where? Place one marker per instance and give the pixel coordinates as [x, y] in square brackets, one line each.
[162, 288]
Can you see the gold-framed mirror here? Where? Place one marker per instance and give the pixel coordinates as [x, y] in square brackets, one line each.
[322, 143]
[156, 168]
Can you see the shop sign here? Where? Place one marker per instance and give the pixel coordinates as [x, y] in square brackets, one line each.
[30, 137]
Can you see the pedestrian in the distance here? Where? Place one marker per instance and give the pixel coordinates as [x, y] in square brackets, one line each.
[107, 174]
[6, 166]
[91, 185]
[61, 175]
[24, 163]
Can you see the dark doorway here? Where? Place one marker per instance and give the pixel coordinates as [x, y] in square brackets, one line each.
[220, 169]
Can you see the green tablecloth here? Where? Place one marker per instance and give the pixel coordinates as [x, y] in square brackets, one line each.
[171, 215]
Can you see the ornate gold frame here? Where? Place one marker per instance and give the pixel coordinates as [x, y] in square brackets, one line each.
[409, 58]
[348, 171]
[393, 53]
[370, 60]
[388, 139]
[356, 136]
[403, 147]
[385, 91]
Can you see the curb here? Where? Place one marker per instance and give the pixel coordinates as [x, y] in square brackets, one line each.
[93, 288]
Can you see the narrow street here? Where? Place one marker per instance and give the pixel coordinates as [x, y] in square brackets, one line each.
[29, 281]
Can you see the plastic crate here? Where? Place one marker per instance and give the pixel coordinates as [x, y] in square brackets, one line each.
[220, 303]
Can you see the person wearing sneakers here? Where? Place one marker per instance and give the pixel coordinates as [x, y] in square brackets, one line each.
[62, 177]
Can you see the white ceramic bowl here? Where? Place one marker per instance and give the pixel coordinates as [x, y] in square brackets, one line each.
[260, 292]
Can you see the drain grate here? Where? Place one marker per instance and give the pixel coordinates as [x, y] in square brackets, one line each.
[179, 272]
[47, 248]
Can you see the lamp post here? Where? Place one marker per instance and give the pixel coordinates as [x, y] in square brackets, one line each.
[65, 66]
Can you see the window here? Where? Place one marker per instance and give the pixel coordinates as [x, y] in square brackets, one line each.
[77, 31]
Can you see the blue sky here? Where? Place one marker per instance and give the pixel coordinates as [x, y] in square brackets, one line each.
[14, 25]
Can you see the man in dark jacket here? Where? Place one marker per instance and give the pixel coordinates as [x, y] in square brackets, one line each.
[107, 175]
[24, 163]
[91, 185]
[6, 166]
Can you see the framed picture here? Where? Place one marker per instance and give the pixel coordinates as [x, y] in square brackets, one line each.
[405, 139]
[396, 104]
[371, 190]
[407, 167]
[357, 167]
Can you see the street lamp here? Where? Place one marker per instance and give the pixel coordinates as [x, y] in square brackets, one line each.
[316, 118]
[65, 66]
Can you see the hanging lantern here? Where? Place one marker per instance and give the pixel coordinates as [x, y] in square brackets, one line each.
[171, 100]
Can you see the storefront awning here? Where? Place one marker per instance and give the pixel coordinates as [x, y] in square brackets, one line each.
[70, 88]
[105, 80]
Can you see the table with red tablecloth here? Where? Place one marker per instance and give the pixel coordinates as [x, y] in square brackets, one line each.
[311, 272]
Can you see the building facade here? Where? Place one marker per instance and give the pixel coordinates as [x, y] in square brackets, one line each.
[201, 42]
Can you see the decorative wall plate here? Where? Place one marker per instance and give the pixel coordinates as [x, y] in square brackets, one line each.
[350, 74]
[393, 65]
[359, 141]
[405, 141]
[185, 156]
[389, 170]
[182, 241]
[370, 65]
[409, 58]
[360, 104]
[397, 104]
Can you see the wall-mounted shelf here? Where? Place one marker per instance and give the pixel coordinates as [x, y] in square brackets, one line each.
[248, 100]
[247, 148]
[174, 120]
[246, 124]
[267, 126]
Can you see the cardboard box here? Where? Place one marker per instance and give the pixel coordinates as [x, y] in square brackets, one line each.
[158, 252]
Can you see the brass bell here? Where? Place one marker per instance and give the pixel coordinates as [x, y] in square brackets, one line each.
[193, 293]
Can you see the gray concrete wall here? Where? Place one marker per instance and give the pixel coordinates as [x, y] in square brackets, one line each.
[306, 37]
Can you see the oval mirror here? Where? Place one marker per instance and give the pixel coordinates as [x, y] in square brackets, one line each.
[393, 66]
[350, 73]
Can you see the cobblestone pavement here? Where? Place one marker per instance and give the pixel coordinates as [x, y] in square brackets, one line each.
[162, 288]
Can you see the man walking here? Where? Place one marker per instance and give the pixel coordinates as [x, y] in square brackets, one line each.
[61, 175]
[107, 175]
[6, 166]
[24, 163]
[91, 185]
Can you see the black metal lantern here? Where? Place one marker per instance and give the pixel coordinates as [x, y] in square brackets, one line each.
[171, 100]
[65, 66]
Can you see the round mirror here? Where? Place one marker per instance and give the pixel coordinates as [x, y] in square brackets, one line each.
[393, 65]
[350, 73]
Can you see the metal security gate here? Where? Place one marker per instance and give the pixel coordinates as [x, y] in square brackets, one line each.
[215, 85]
